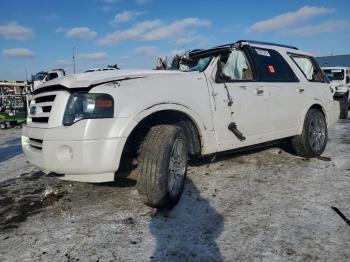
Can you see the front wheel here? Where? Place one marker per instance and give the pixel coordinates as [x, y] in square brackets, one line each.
[313, 140]
[162, 166]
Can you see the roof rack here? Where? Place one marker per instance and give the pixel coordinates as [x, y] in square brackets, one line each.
[265, 43]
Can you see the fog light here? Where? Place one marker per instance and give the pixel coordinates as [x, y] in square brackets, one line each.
[65, 153]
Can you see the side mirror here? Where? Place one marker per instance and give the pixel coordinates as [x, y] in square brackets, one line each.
[347, 79]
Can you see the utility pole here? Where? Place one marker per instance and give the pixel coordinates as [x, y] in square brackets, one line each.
[74, 59]
[26, 90]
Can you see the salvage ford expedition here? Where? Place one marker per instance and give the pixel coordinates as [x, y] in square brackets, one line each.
[232, 96]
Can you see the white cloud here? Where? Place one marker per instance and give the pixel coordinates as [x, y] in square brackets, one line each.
[63, 62]
[124, 16]
[141, 2]
[111, 1]
[289, 19]
[18, 52]
[132, 33]
[325, 27]
[175, 28]
[146, 51]
[177, 52]
[13, 30]
[152, 30]
[98, 56]
[79, 32]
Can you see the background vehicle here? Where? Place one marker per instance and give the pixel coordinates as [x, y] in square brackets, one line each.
[13, 103]
[100, 69]
[228, 97]
[340, 79]
[44, 76]
[12, 118]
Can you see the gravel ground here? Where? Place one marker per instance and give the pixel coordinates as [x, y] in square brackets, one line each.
[262, 205]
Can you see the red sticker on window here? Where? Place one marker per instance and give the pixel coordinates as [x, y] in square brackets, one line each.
[272, 69]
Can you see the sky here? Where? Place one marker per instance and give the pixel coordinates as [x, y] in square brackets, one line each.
[40, 35]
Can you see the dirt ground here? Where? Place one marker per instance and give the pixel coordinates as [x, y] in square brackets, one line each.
[262, 205]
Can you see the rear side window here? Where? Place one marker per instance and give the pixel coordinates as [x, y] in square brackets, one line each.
[51, 76]
[272, 66]
[309, 67]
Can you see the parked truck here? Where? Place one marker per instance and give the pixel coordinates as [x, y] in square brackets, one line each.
[340, 79]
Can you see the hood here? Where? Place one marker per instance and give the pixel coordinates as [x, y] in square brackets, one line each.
[99, 77]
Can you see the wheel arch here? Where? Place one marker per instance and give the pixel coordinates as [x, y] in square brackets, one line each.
[163, 113]
[314, 105]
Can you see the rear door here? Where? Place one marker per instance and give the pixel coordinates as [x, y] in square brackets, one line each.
[284, 90]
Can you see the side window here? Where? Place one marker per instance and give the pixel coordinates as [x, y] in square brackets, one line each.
[51, 76]
[309, 68]
[236, 67]
[272, 66]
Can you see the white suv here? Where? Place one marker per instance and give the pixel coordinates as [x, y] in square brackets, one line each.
[340, 79]
[233, 96]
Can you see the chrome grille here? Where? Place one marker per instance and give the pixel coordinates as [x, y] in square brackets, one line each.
[40, 108]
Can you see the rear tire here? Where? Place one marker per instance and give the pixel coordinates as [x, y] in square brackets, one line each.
[344, 107]
[313, 140]
[162, 166]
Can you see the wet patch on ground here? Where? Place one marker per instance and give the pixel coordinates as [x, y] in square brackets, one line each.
[23, 197]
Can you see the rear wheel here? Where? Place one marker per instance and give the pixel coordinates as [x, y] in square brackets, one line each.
[162, 166]
[313, 140]
[344, 107]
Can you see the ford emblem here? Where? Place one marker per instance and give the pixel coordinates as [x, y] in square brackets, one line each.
[33, 110]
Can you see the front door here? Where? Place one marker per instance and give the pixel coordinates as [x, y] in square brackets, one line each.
[239, 100]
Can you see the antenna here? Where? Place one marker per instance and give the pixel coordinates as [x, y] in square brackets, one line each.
[74, 59]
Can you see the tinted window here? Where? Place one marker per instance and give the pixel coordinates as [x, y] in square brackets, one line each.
[334, 74]
[309, 67]
[52, 76]
[272, 66]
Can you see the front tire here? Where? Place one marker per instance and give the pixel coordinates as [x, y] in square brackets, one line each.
[313, 140]
[162, 166]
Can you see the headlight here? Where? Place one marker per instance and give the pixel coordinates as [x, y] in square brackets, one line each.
[88, 106]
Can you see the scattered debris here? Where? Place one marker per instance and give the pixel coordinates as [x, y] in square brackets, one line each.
[347, 221]
[50, 195]
[324, 158]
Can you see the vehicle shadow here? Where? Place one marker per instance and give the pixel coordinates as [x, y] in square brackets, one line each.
[189, 231]
[12, 148]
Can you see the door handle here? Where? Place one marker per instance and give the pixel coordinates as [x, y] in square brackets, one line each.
[301, 90]
[259, 91]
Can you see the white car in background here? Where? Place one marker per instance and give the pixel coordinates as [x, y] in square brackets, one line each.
[340, 79]
[86, 126]
[100, 69]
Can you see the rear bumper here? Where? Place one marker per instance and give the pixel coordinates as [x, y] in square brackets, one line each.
[93, 158]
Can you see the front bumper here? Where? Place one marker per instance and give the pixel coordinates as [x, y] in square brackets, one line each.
[333, 113]
[87, 151]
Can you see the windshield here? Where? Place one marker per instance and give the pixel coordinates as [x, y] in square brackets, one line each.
[40, 76]
[334, 74]
[188, 65]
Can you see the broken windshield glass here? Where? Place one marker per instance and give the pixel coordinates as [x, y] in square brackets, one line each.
[188, 65]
